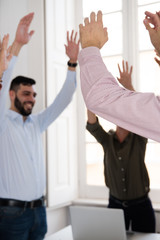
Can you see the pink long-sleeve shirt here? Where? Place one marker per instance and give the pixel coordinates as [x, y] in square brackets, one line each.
[134, 111]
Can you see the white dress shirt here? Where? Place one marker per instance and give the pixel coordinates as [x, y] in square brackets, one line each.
[22, 171]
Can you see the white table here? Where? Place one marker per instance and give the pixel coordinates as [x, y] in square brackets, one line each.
[66, 234]
[144, 236]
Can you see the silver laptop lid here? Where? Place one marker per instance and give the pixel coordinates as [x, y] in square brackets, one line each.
[97, 223]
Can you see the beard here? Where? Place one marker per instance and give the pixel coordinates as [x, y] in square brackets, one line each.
[20, 107]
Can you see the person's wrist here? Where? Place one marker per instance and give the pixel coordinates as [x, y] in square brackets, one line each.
[90, 44]
[1, 81]
[16, 47]
[1, 74]
[72, 63]
[17, 44]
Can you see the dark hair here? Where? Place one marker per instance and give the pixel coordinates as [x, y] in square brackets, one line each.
[21, 80]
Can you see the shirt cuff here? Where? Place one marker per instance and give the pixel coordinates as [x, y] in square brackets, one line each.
[92, 126]
[88, 52]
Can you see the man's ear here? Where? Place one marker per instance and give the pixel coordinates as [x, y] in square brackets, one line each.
[12, 94]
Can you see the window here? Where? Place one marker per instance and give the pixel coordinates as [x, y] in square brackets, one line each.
[128, 40]
[149, 76]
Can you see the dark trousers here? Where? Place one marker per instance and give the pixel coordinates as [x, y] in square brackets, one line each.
[18, 223]
[139, 213]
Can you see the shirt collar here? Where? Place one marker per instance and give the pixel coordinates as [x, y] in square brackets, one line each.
[15, 115]
[126, 139]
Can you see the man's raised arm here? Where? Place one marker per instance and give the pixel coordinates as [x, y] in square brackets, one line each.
[22, 37]
[5, 57]
[103, 95]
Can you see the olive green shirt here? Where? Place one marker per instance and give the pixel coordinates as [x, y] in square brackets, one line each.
[125, 172]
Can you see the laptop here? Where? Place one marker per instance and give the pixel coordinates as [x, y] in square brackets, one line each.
[97, 223]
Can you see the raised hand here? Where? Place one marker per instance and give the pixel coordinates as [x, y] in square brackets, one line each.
[154, 31]
[23, 35]
[5, 57]
[91, 117]
[93, 33]
[125, 76]
[72, 47]
[157, 59]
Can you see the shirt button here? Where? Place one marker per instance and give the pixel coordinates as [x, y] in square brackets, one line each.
[124, 190]
[119, 158]
[122, 169]
[123, 179]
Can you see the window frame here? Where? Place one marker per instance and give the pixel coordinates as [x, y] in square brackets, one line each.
[130, 53]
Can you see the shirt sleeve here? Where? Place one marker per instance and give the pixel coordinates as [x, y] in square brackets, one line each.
[143, 140]
[46, 117]
[134, 111]
[98, 132]
[5, 89]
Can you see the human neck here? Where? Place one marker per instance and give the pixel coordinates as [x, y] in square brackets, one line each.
[121, 133]
[16, 110]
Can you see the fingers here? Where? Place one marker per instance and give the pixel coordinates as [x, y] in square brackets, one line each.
[27, 19]
[86, 21]
[72, 48]
[9, 57]
[31, 33]
[158, 13]
[80, 27]
[123, 66]
[92, 16]
[75, 37]
[152, 18]
[71, 38]
[149, 14]
[5, 41]
[9, 50]
[99, 17]
[157, 53]
[131, 69]
[126, 66]
[78, 42]
[119, 69]
[80, 30]
[146, 23]
[157, 60]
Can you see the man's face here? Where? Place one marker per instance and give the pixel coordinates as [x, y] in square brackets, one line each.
[24, 99]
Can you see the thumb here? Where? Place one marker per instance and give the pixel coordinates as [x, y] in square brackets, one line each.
[9, 49]
[9, 57]
[31, 33]
[146, 23]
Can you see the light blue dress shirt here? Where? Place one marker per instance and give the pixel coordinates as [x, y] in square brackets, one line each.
[22, 171]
